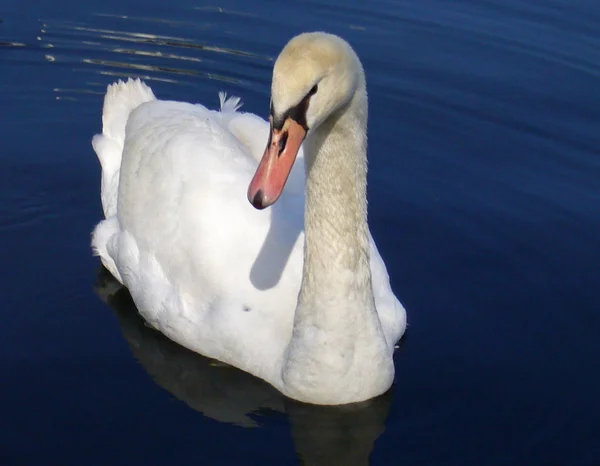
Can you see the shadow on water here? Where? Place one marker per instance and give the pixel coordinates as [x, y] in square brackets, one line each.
[322, 435]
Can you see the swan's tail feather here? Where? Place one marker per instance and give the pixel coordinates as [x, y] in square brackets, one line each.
[120, 100]
[229, 105]
[103, 241]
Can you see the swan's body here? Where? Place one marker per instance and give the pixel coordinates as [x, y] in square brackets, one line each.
[229, 281]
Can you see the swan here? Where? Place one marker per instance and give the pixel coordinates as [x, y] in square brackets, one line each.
[296, 294]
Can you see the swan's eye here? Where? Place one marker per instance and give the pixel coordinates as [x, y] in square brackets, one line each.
[314, 90]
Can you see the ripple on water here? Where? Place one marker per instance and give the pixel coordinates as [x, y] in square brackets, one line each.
[125, 47]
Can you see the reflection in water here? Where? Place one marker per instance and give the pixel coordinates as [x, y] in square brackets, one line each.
[126, 53]
[322, 435]
[163, 69]
[142, 38]
[11, 44]
[218, 9]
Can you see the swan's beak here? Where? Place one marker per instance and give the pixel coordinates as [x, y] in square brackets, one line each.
[276, 163]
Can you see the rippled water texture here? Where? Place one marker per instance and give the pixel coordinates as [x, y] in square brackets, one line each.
[484, 200]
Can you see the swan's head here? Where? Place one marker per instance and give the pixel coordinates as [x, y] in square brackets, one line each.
[315, 75]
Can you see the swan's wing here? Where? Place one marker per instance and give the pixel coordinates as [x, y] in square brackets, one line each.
[392, 314]
[182, 201]
[120, 99]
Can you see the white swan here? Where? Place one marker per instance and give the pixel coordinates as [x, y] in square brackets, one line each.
[306, 307]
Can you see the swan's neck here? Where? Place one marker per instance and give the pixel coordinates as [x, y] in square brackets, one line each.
[337, 349]
[336, 262]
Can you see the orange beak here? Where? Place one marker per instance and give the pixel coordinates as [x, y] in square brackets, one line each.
[275, 166]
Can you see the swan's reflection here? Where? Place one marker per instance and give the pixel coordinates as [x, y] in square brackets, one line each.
[322, 435]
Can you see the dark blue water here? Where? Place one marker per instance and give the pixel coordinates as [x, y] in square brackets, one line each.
[484, 191]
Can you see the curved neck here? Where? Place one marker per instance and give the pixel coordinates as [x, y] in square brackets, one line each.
[337, 338]
[336, 265]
